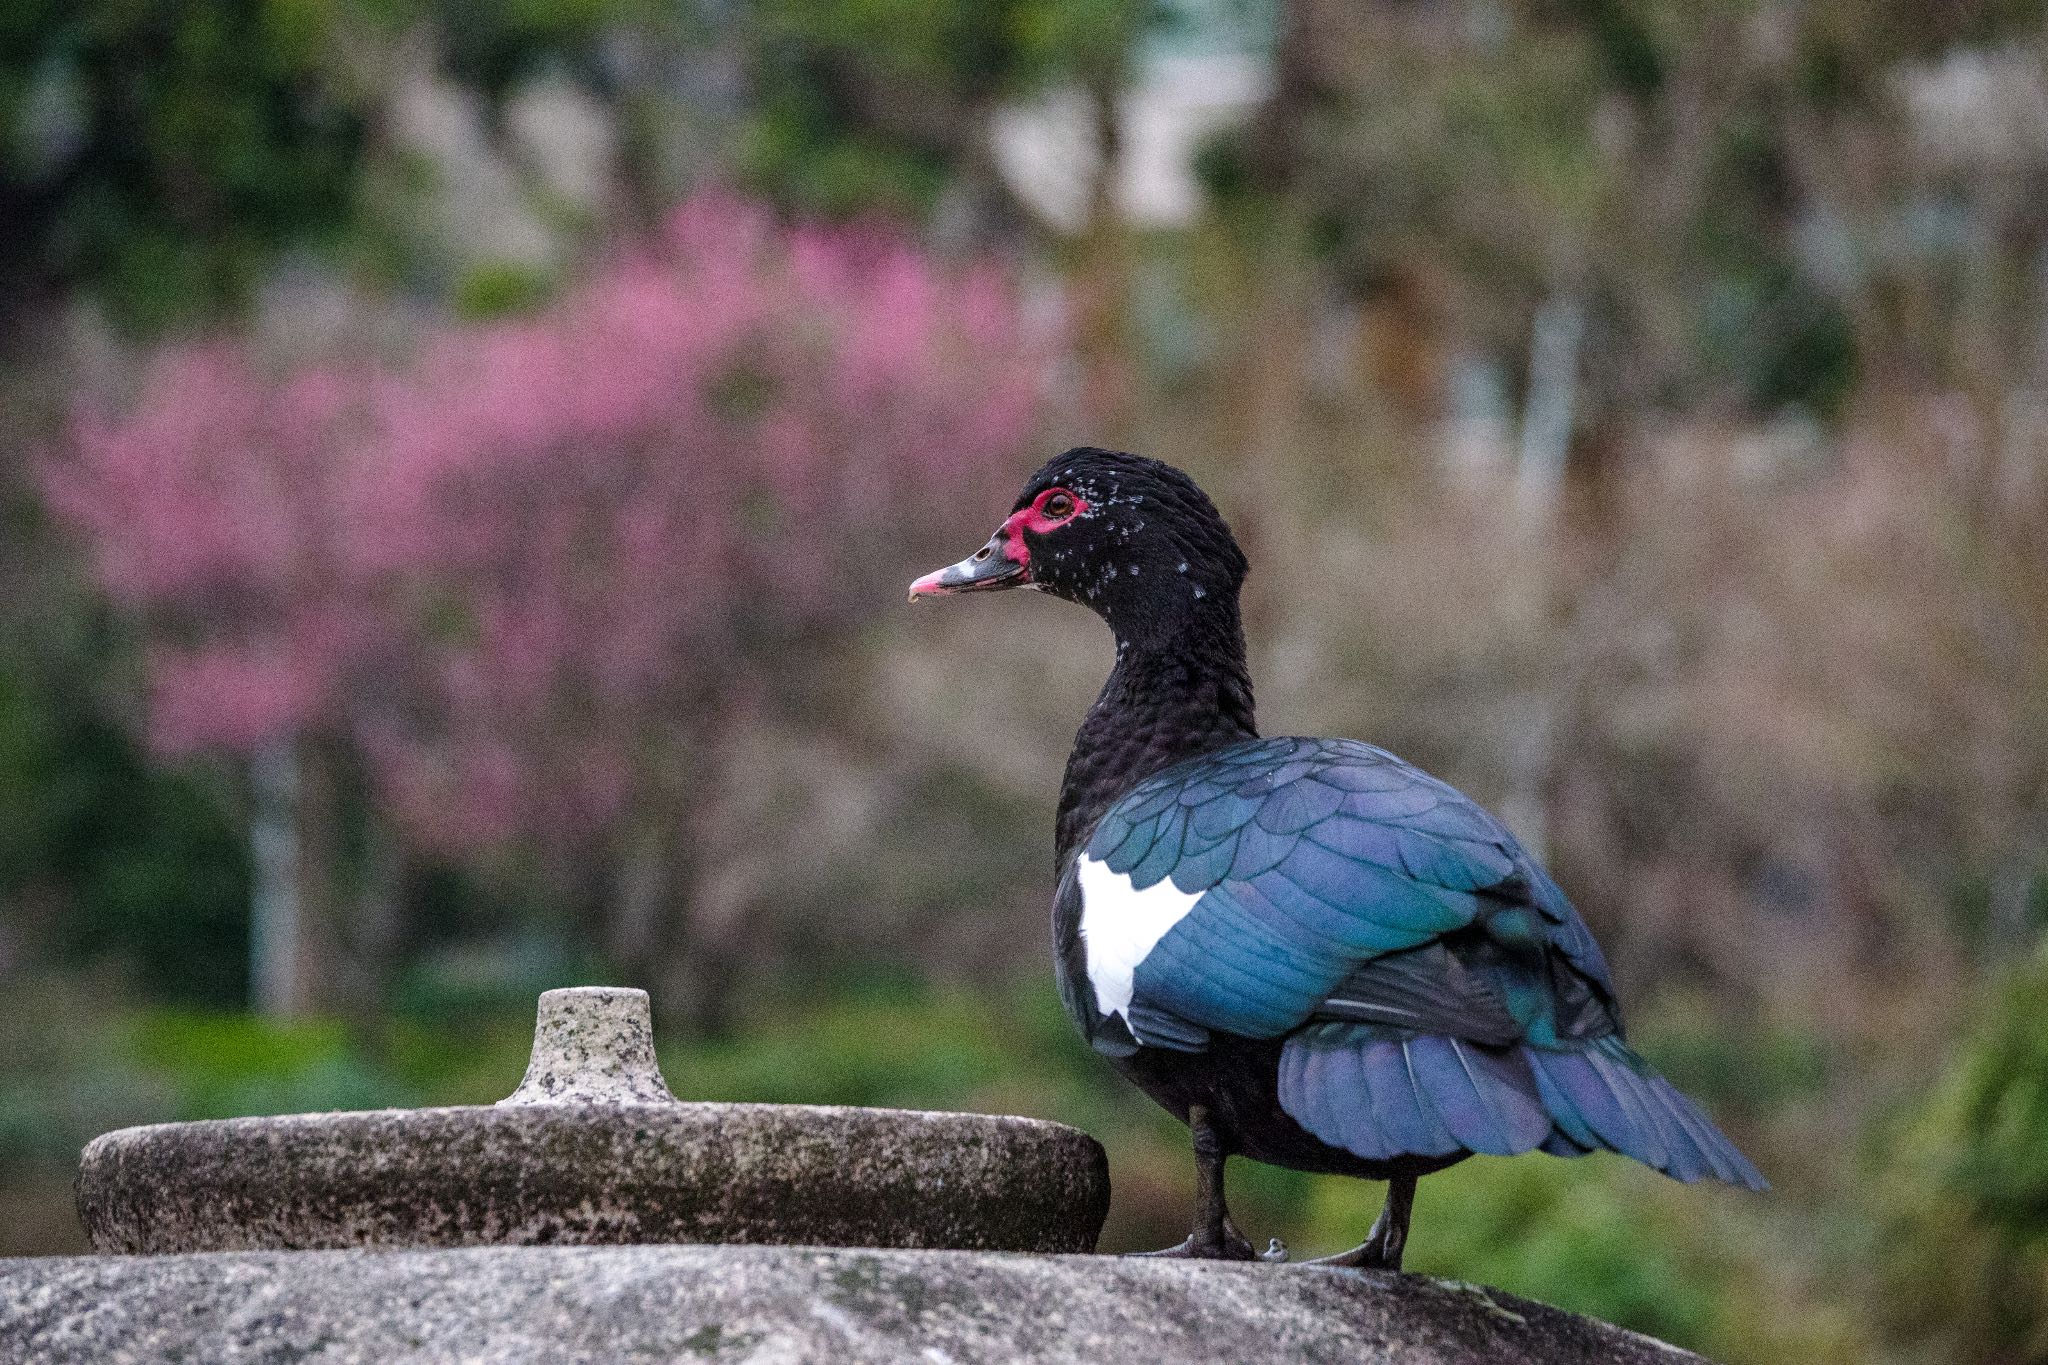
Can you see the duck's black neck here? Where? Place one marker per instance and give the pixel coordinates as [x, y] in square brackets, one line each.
[1166, 700]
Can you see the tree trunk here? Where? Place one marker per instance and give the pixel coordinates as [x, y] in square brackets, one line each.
[297, 953]
[1548, 416]
[639, 902]
[657, 940]
[1103, 291]
[277, 986]
[1550, 411]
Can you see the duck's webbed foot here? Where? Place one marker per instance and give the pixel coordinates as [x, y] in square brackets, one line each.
[1230, 1245]
[1215, 1237]
[1382, 1247]
[1371, 1254]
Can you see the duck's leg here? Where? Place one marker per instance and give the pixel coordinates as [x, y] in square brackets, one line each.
[1215, 1237]
[1382, 1247]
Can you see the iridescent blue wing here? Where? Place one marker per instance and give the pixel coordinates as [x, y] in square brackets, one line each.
[1437, 991]
[1313, 858]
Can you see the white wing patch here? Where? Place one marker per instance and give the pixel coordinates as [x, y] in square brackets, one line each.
[1119, 926]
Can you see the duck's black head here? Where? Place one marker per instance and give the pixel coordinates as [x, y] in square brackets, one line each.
[1131, 538]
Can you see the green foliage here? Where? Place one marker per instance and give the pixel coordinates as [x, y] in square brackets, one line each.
[878, 105]
[492, 44]
[495, 289]
[958, 46]
[1606, 1237]
[194, 141]
[223, 1065]
[1542, 152]
[1594, 1235]
[799, 149]
[1011, 1051]
[1741, 1066]
[1993, 1111]
[1624, 35]
[1965, 1189]
[62, 1080]
[162, 154]
[104, 856]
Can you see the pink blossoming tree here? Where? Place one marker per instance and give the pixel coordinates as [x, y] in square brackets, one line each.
[515, 585]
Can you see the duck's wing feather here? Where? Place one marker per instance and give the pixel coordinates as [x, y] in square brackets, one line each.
[1436, 991]
[1319, 878]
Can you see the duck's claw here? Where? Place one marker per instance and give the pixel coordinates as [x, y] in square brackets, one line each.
[1232, 1246]
[1183, 1250]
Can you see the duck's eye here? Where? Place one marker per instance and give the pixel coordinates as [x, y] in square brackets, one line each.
[1059, 506]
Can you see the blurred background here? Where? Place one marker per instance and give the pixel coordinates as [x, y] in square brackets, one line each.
[460, 465]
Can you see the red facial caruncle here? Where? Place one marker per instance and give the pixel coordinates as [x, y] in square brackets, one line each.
[1005, 562]
[1049, 511]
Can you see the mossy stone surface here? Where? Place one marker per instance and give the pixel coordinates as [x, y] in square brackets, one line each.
[594, 1150]
[596, 1174]
[593, 1045]
[571, 1305]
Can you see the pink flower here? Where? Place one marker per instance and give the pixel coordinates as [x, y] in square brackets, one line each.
[518, 569]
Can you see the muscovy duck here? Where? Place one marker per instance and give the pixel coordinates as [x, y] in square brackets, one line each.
[1312, 953]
